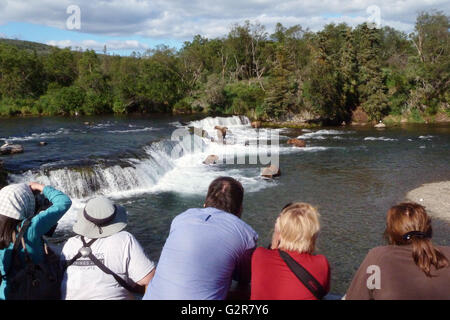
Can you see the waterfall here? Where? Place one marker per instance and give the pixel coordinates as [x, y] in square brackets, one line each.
[131, 174]
[210, 122]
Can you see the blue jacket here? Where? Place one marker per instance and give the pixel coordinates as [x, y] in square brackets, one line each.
[40, 225]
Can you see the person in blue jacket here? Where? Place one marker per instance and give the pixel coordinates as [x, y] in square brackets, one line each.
[17, 203]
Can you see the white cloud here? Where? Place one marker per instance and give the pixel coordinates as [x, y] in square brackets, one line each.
[98, 46]
[180, 19]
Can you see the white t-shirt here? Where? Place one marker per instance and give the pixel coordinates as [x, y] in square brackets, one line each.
[121, 253]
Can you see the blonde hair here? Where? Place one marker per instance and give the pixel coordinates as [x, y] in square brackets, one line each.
[298, 226]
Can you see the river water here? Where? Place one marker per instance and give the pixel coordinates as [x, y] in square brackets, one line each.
[147, 163]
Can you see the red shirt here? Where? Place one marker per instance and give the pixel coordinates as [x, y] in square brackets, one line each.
[273, 280]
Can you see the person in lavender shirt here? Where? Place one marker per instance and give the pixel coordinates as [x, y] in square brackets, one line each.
[206, 249]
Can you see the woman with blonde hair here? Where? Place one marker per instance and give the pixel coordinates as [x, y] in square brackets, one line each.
[287, 270]
[411, 267]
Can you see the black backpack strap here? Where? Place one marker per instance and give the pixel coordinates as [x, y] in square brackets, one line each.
[17, 242]
[132, 288]
[21, 234]
[78, 255]
[304, 276]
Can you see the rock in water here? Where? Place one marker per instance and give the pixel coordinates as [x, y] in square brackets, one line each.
[271, 172]
[380, 125]
[211, 159]
[256, 124]
[11, 149]
[43, 143]
[297, 143]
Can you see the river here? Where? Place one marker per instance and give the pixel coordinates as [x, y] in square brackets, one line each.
[352, 174]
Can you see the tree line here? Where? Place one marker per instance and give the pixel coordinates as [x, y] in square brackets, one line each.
[292, 72]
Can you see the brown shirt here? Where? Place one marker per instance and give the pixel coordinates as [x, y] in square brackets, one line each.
[389, 273]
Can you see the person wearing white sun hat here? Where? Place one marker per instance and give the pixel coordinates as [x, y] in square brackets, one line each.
[103, 261]
[17, 206]
[100, 218]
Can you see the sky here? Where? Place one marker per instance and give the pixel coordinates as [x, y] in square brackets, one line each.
[125, 26]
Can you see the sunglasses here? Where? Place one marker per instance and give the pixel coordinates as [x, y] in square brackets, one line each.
[286, 206]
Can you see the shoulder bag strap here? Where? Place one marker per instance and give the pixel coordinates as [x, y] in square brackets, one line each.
[17, 242]
[304, 276]
[133, 288]
[21, 233]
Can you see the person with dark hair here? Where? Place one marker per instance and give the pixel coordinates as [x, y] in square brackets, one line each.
[206, 249]
[411, 267]
[226, 194]
[17, 204]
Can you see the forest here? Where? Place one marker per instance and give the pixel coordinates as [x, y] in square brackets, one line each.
[291, 73]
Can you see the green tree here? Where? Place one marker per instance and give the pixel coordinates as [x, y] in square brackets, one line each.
[280, 95]
[372, 88]
[90, 76]
[348, 75]
[243, 98]
[125, 73]
[60, 67]
[158, 85]
[20, 73]
[432, 42]
[98, 97]
[61, 101]
[322, 90]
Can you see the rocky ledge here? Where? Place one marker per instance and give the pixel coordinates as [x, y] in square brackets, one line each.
[435, 197]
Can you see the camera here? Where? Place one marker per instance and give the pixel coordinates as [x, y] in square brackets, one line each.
[42, 204]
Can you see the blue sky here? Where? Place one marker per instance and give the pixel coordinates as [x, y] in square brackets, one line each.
[51, 35]
[136, 25]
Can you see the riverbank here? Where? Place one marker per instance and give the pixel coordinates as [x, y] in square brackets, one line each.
[297, 121]
[435, 197]
[389, 121]
[440, 117]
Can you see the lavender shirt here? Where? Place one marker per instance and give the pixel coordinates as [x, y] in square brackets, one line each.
[205, 249]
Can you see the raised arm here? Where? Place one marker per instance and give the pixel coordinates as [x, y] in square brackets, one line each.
[45, 220]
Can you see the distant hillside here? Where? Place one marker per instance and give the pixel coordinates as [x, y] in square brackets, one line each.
[28, 45]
